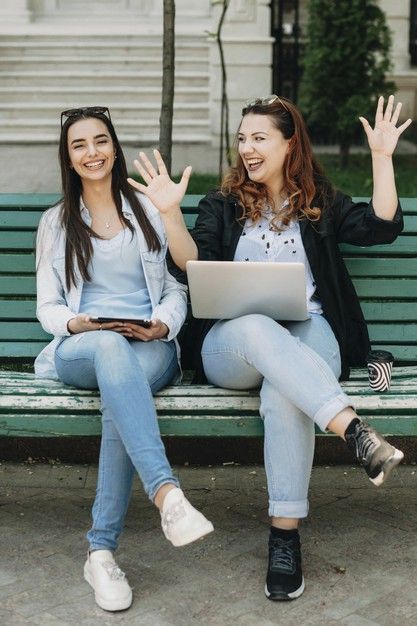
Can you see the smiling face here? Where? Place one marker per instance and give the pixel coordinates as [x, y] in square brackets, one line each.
[91, 150]
[263, 150]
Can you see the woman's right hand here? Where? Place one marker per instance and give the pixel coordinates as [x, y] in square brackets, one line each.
[160, 189]
[84, 322]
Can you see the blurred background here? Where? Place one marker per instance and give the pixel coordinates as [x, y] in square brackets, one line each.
[58, 54]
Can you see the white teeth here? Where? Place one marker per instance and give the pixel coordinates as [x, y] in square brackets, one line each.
[95, 164]
[254, 161]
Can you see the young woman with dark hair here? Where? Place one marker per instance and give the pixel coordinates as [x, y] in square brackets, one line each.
[101, 253]
[275, 204]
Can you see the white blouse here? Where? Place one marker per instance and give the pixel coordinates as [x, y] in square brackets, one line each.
[261, 242]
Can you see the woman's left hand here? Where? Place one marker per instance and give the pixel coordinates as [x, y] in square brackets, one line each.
[384, 137]
[157, 330]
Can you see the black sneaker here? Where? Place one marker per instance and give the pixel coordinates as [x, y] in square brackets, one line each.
[377, 456]
[284, 579]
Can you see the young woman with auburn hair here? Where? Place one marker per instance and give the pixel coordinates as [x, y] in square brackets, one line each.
[276, 204]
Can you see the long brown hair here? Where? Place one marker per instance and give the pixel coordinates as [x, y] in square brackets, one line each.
[78, 246]
[305, 186]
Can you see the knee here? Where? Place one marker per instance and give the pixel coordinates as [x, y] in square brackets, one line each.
[111, 349]
[110, 344]
[257, 330]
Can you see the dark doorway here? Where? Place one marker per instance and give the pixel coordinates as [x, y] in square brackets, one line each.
[285, 29]
[413, 32]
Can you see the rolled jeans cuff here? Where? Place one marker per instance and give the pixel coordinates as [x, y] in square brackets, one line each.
[165, 481]
[327, 412]
[296, 509]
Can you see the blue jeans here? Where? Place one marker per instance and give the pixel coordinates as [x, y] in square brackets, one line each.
[126, 373]
[296, 365]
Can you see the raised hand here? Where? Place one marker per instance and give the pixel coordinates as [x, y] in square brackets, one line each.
[384, 137]
[160, 189]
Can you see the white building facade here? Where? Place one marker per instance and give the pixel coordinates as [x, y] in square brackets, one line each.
[58, 54]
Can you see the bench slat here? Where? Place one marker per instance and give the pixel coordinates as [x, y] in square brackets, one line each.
[386, 288]
[394, 267]
[32, 331]
[381, 288]
[17, 310]
[21, 349]
[389, 311]
[404, 244]
[17, 263]
[29, 350]
[373, 311]
[358, 267]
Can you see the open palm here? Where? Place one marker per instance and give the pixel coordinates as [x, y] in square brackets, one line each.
[384, 136]
[159, 188]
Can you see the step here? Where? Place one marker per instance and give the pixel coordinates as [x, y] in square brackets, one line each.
[18, 111]
[144, 138]
[72, 96]
[118, 45]
[75, 64]
[84, 78]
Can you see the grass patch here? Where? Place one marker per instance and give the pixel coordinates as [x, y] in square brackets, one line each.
[355, 180]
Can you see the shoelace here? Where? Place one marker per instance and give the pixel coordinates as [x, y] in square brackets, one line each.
[113, 571]
[366, 441]
[282, 554]
[173, 514]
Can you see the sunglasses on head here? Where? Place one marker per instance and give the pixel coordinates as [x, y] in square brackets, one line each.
[69, 113]
[264, 102]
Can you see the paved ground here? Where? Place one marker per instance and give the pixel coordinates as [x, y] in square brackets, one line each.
[360, 550]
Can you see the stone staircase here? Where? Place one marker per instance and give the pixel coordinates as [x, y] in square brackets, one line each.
[41, 75]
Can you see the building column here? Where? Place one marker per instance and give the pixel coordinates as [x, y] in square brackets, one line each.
[398, 20]
[14, 12]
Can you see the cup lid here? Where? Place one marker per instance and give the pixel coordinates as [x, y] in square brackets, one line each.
[382, 356]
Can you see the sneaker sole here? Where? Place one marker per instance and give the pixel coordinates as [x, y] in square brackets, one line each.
[283, 596]
[120, 605]
[387, 468]
[199, 533]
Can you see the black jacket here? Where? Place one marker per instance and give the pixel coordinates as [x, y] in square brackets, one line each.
[217, 231]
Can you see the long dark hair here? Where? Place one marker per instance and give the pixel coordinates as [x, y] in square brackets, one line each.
[78, 246]
[305, 185]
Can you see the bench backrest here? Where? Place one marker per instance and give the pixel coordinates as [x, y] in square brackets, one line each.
[385, 278]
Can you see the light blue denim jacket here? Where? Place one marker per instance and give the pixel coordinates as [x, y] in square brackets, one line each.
[56, 305]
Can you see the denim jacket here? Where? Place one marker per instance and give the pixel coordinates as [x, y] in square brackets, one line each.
[56, 305]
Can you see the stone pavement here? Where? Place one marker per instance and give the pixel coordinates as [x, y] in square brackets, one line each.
[359, 548]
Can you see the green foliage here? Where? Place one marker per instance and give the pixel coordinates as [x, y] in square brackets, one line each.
[355, 180]
[345, 62]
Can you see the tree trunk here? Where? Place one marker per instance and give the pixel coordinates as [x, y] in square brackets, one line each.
[224, 111]
[168, 82]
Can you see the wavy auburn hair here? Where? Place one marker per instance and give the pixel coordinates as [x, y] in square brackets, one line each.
[78, 246]
[307, 189]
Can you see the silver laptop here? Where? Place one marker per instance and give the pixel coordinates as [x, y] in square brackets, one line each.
[229, 289]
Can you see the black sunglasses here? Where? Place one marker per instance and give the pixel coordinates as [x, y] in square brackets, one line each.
[84, 110]
[264, 102]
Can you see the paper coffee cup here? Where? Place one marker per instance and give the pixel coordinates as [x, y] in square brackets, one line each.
[380, 364]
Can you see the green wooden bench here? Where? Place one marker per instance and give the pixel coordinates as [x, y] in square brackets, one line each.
[386, 281]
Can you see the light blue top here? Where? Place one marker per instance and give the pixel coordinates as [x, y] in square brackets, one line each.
[117, 287]
[259, 241]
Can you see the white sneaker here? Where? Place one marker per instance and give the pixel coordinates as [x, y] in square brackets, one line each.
[181, 522]
[111, 589]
